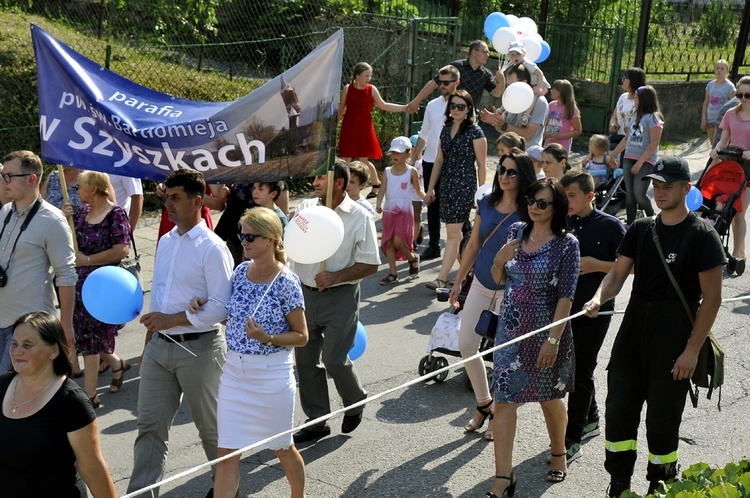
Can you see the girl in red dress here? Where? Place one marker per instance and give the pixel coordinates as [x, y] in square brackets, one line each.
[357, 138]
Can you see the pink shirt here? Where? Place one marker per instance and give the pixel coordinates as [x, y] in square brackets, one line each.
[739, 130]
[557, 123]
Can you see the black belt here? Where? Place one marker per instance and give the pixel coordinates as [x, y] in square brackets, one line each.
[183, 337]
[314, 289]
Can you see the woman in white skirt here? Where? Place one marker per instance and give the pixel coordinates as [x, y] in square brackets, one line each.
[265, 320]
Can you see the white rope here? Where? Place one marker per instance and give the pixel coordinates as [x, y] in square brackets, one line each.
[412, 382]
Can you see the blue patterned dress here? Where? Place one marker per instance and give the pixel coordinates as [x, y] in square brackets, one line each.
[458, 174]
[535, 283]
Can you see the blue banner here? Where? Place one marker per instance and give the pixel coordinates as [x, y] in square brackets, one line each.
[92, 118]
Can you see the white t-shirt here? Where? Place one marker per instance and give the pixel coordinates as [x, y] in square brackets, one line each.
[125, 187]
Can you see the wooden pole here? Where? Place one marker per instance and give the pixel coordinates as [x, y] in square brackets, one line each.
[329, 202]
[64, 187]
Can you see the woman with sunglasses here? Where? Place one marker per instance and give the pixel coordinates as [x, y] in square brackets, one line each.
[504, 206]
[265, 320]
[641, 146]
[460, 161]
[735, 135]
[539, 265]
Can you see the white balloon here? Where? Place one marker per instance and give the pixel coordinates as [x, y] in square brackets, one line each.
[533, 48]
[511, 19]
[525, 25]
[482, 191]
[313, 235]
[518, 97]
[502, 39]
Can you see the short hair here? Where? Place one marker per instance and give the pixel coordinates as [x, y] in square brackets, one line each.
[581, 177]
[637, 78]
[511, 140]
[452, 70]
[476, 45]
[559, 205]
[266, 223]
[520, 71]
[601, 143]
[192, 181]
[341, 171]
[277, 187]
[51, 332]
[358, 170]
[96, 180]
[30, 162]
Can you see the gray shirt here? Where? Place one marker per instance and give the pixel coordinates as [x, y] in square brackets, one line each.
[538, 116]
[639, 137]
[44, 253]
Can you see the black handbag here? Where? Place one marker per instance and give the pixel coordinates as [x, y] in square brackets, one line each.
[132, 266]
[487, 324]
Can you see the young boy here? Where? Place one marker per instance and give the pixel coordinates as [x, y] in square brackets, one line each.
[266, 193]
[359, 175]
[517, 53]
[599, 235]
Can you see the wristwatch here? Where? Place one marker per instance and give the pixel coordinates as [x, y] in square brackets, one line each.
[270, 340]
[553, 341]
[504, 127]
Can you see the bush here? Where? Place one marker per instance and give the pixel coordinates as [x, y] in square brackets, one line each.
[715, 27]
[700, 480]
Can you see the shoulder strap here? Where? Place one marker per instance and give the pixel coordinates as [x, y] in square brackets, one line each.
[663, 259]
[496, 227]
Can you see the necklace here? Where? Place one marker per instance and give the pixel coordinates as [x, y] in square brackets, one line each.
[266, 275]
[15, 388]
[546, 236]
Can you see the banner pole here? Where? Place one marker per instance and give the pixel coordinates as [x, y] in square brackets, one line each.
[64, 187]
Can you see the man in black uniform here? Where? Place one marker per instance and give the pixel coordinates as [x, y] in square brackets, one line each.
[656, 349]
[599, 235]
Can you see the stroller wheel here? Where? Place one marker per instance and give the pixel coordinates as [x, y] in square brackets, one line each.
[425, 365]
[438, 363]
[739, 267]
[731, 265]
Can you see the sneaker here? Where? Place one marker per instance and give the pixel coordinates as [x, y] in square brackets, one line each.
[591, 430]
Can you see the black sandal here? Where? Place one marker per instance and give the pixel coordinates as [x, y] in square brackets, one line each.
[486, 411]
[511, 489]
[557, 476]
[390, 279]
[414, 266]
[373, 192]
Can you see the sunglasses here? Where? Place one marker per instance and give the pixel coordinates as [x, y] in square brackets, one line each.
[457, 107]
[249, 237]
[540, 203]
[510, 173]
[743, 95]
[446, 82]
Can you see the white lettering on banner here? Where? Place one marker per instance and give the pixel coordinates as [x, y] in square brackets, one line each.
[209, 129]
[133, 102]
[166, 158]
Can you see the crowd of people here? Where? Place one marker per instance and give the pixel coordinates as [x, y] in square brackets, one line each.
[230, 318]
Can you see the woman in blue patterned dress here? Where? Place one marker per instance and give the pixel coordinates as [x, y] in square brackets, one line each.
[265, 320]
[539, 265]
[460, 160]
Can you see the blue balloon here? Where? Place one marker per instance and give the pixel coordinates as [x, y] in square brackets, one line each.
[694, 199]
[495, 21]
[360, 343]
[112, 295]
[545, 52]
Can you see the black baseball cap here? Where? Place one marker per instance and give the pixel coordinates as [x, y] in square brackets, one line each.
[670, 169]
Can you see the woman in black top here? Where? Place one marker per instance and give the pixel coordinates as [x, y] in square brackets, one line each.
[47, 425]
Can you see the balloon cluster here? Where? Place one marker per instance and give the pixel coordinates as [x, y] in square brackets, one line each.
[504, 29]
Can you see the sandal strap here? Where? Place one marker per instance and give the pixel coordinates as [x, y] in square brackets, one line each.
[558, 456]
[483, 409]
[509, 478]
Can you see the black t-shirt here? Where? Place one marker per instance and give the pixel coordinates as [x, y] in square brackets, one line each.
[240, 199]
[599, 235]
[36, 459]
[702, 249]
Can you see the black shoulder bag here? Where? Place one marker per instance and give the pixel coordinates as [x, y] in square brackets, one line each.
[709, 370]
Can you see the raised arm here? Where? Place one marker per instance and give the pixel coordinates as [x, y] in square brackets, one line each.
[386, 106]
[426, 90]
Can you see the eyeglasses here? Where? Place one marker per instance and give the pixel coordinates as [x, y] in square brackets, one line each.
[510, 173]
[540, 203]
[446, 82]
[485, 52]
[457, 107]
[8, 177]
[249, 237]
[743, 95]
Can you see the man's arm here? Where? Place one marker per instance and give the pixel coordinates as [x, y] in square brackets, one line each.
[67, 303]
[426, 90]
[611, 285]
[357, 271]
[136, 208]
[710, 282]
[497, 92]
[525, 131]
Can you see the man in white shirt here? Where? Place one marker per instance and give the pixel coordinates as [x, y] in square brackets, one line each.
[429, 135]
[332, 309]
[184, 352]
[129, 196]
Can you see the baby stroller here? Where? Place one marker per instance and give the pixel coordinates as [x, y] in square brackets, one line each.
[609, 196]
[723, 187]
[444, 339]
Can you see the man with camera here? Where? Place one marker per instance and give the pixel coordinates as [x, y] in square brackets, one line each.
[34, 237]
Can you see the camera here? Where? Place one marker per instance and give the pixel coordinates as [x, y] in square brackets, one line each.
[3, 277]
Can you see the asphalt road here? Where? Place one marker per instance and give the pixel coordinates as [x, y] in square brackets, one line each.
[412, 443]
